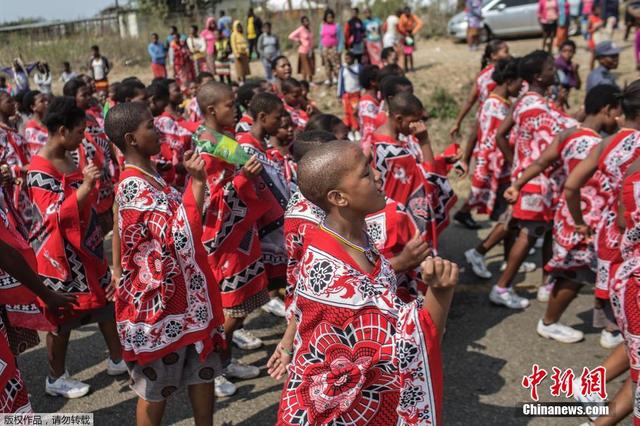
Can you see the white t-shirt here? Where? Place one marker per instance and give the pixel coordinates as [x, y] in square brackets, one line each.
[391, 36]
[98, 68]
[351, 80]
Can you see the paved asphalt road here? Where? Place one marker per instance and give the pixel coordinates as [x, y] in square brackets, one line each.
[486, 352]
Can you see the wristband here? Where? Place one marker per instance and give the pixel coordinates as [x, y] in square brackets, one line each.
[286, 351]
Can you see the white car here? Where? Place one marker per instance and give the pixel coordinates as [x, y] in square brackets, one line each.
[509, 18]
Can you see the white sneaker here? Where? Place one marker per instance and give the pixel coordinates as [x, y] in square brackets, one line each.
[525, 268]
[544, 292]
[532, 251]
[539, 243]
[586, 399]
[240, 370]
[609, 339]
[116, 368]
[223, 387]
[559, 332]
[275, 307]
[476, 260]
[244, 339]
[508, 298]
[66, 387]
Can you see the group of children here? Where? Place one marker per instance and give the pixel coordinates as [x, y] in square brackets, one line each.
[241, 197]
[217, 206]
[566, 185]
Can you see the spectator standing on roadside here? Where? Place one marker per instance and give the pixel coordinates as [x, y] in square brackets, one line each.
[183, 70]
[567, 70]
[224, 24]
[391, 35]
[100, 67]
[173, 30]
[354, 35]
[330, 45]
[254, 29]
[197, 47]
[608, 56]
[240, 51]
[42, 77]
[409, 26]
[223, 62]
[268, 49]
[373, 37]
[19, 73]
[564, 18]
[610, 12]
[474, 19]
[304, 37]
[586, 6]
[209, 37]
[158, 55]
[548, 18]
[67, 73]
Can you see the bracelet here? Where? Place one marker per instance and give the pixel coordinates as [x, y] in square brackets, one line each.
[286, 351]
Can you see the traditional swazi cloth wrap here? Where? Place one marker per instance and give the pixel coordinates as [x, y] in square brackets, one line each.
[361, 355]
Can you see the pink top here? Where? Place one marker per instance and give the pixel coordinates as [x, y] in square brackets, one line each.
[329, 35]
[547, 11]
[304, 37]
[209, 37]
[587, 6]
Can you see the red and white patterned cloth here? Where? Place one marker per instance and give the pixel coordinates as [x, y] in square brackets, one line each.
[167, 297]
[536, 124]
[19, 302]
[14, 153]
[14, 397]
[491, 171]
[298, 116]
[368, 110]
[624, 290]
[274, 194]
[623, 149]
[485, 84]
[175, 140]
[570, 249]
[230, 234]
[67, 241]
[361, 356]
[96, 147]
[35, 135]
[422, 189]
[244, 124]
[389, 229]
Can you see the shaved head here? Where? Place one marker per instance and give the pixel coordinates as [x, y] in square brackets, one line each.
[323, 168]
[211, 93]
[405, 103]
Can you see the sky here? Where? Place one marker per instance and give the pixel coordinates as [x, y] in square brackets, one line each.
[11, 10]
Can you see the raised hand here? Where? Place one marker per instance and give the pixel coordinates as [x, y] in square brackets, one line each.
[439, 273]
[420, 131]
[414, 252]
[90, 174]
[252, 168]
[195, 165]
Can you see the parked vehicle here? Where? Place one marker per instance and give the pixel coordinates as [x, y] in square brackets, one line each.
[509, 18]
